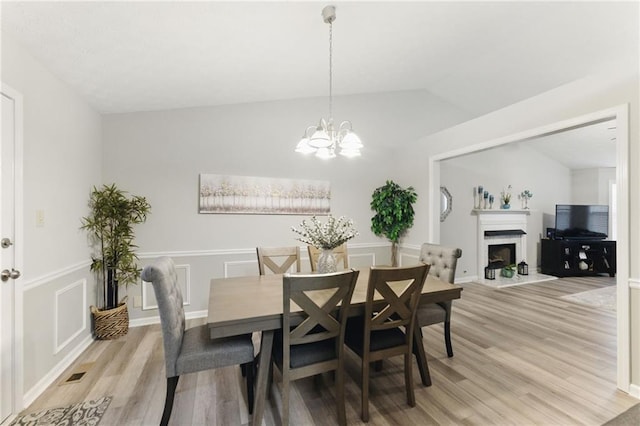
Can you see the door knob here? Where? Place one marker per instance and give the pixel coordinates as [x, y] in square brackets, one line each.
[6, 243]
[6, 274]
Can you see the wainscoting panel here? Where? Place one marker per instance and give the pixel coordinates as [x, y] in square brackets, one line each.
[240, 268]
[149, 301]
[70, 314]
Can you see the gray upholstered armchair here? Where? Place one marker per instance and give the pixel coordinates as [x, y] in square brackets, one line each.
[443, 261]
[191, 350]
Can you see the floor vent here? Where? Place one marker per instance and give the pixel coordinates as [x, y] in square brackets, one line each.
[78, 374]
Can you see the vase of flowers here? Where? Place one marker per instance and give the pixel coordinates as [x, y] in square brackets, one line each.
[326, 236]
[505, 196]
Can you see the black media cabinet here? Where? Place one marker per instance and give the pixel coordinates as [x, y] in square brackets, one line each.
[564, 258]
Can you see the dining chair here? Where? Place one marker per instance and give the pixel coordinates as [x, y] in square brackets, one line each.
[340, 252]
[387, 327]
[311, 340]
[443, 261]
[278, 259]
[191, 350]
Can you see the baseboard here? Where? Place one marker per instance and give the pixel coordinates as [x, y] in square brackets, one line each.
[141, 322]
[55, 372]
[634, 390]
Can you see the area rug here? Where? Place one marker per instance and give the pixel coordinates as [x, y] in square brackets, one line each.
[604, 297]
[631, 417]
[83, 413]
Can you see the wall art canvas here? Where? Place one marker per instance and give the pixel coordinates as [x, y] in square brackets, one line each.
[259, 195]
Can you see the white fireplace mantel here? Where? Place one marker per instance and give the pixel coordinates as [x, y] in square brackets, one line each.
[500, 220]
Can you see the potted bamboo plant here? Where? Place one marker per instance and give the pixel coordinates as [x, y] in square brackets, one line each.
[394, 213]
[110, 226]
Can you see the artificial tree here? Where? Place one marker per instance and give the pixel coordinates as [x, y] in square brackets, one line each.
[113, 214]
[394, 213]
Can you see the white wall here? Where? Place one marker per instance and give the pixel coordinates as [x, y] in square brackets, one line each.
[62, 160]
[591, 186]
[161, 154]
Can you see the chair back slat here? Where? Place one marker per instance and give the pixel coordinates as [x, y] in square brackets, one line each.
[401, 289]
[319, 296]
[278, 259]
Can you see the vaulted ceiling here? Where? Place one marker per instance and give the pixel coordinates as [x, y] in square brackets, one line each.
[478, 56]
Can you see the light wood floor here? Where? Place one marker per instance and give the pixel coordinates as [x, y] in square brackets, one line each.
[522, 356]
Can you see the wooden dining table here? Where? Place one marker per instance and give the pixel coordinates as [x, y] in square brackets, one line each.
[243, 305]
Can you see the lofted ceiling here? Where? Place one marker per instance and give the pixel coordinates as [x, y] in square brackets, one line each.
[477, 56]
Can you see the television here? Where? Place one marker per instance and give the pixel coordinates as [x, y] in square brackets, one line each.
[582, 222]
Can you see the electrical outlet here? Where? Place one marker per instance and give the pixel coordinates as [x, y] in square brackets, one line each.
[39, 218]
[137, 302]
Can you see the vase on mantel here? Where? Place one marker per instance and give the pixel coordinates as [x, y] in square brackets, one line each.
[327, 262]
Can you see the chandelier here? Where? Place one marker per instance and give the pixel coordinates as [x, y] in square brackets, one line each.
[325, 138]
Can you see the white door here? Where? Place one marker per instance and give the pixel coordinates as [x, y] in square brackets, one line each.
[8, 270]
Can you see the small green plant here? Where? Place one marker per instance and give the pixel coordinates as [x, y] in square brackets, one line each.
[508, 271]
[110, 227]
[394, 213]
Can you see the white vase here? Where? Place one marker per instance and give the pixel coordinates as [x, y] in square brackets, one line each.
[327, 262]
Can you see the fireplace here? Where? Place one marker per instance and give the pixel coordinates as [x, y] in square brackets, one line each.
[502, 238]
[501, 255]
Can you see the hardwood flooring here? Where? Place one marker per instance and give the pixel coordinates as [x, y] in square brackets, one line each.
[522, 356]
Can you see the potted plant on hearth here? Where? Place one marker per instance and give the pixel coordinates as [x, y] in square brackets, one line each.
[508, 271]
[394, 213]
[110, 225]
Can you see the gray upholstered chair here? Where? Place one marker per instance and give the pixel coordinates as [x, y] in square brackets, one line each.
[311, 341]
[443, 261]
[387, 327]
[191, 350]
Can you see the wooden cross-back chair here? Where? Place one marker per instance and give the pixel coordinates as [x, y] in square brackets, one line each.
[311, 342]
[278, 259]
[340, 252]
[387, 327]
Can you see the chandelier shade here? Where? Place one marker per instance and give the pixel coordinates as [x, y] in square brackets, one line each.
[324, 139]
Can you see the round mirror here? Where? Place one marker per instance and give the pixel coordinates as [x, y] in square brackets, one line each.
[445, 203]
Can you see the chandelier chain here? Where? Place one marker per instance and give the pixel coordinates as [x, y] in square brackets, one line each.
[330, 70]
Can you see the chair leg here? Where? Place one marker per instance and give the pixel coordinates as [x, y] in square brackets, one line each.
[285, 398]
[249, 369]
[342, 412]
[421, 357]
[172, 383]
[408, 379]
[447, 338]
[365, 391]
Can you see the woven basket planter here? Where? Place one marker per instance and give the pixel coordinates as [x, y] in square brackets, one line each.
[111, 323]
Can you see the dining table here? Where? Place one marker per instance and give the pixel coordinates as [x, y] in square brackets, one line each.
[247, 304]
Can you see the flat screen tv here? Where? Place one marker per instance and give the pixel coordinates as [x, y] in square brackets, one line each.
[580, 222]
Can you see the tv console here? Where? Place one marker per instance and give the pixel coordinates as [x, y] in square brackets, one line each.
[564, 258]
